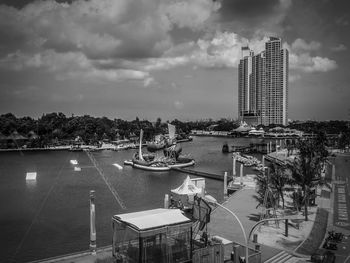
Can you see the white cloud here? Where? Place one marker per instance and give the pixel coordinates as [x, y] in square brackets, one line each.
[310, 64]
[148, 81]
[179, 105]
[70, 65]
[340, 47]
[301, 45]
[128, 39]
[191, 14]
[294, 77]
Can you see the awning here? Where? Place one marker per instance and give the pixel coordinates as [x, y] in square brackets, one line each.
[153, 218]
[187, 188]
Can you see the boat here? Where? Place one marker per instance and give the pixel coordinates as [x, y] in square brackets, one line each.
[255, 132]
[76, 148]
[153, 161]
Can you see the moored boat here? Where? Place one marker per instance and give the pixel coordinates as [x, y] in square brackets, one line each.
[154, 162]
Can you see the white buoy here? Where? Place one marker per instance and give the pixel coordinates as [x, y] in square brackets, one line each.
[77, 169]
[31, 176]
[74, 162]
[118, 166]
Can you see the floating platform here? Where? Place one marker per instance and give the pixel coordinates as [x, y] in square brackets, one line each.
[74, 162]
[202, 174]
[31, 176]
[118, 166]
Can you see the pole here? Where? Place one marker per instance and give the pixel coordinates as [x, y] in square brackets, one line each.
[241, 175]
[92, 223]
[166, 201]
[241, 226]
[234, 167]
[263, 161]
[225, 184]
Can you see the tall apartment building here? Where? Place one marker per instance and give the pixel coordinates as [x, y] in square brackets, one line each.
[263, 85]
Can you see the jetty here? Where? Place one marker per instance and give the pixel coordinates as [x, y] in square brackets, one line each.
[219, 177]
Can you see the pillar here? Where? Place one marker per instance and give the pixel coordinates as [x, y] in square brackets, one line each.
[263, 161]
[225, 184]
[92, 223]
[234, 167]
[166, 201]
[235, 253]
[241, 175]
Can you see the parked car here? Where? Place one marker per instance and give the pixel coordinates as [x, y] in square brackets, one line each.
[323, 256]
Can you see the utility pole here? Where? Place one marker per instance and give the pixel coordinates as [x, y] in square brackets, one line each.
[92, 223]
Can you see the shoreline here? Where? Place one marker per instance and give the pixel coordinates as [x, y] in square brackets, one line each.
[62, 148]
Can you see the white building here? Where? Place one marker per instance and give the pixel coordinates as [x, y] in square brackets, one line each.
[263, 85]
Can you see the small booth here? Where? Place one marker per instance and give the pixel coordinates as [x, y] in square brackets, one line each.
[152, 236]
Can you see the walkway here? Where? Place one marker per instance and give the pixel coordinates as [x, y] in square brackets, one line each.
[243, 205]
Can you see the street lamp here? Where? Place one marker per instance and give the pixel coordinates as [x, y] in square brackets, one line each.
[239, 222]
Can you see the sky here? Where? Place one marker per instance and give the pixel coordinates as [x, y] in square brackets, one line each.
[167, 58]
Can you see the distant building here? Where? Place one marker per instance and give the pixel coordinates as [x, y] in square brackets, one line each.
[263, 85]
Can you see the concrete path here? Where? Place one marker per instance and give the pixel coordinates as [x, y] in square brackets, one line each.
[225, 225]
[339, 218]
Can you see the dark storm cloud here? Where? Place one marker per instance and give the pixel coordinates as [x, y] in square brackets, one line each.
[250, 18]
[21, 3]
[246, 9]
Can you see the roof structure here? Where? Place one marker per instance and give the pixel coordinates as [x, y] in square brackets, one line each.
[154, 218]
[187, 188]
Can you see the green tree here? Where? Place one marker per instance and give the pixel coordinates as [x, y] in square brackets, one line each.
[307, 167]
[278, 179]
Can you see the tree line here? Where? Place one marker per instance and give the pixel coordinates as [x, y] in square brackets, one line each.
[57, 127]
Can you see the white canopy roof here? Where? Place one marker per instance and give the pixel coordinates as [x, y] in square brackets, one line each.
[187, 188]
[153, 218]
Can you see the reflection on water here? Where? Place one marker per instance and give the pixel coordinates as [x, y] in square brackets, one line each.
[31, 184]
[50, 216]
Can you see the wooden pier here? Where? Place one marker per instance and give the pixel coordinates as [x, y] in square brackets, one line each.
[219, 177]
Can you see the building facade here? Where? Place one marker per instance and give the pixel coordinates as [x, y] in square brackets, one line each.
[263, 85]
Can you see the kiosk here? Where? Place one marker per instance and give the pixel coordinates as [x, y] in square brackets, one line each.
[152, 236]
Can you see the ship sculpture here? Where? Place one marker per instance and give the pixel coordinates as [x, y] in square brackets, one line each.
[163, 154]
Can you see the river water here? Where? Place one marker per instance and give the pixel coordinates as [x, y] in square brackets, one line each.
[50, 216]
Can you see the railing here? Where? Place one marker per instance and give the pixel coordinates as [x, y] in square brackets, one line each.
[104, 178]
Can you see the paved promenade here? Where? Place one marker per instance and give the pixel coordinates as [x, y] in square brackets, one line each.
[339, 218]
[225, 225]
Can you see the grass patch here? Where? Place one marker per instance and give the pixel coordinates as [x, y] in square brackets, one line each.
[317, 233]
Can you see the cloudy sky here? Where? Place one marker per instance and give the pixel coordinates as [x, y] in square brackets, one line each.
[167, 58]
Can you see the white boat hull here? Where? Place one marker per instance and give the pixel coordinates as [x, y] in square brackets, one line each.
[160, 168]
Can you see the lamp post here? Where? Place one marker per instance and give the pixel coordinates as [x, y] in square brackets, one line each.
[240, 224]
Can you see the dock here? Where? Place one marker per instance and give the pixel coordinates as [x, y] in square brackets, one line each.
[219, 177]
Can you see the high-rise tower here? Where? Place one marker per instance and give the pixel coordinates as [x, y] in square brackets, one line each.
[263, 85]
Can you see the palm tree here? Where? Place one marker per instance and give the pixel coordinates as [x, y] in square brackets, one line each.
[307, 166]
[278, 179]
